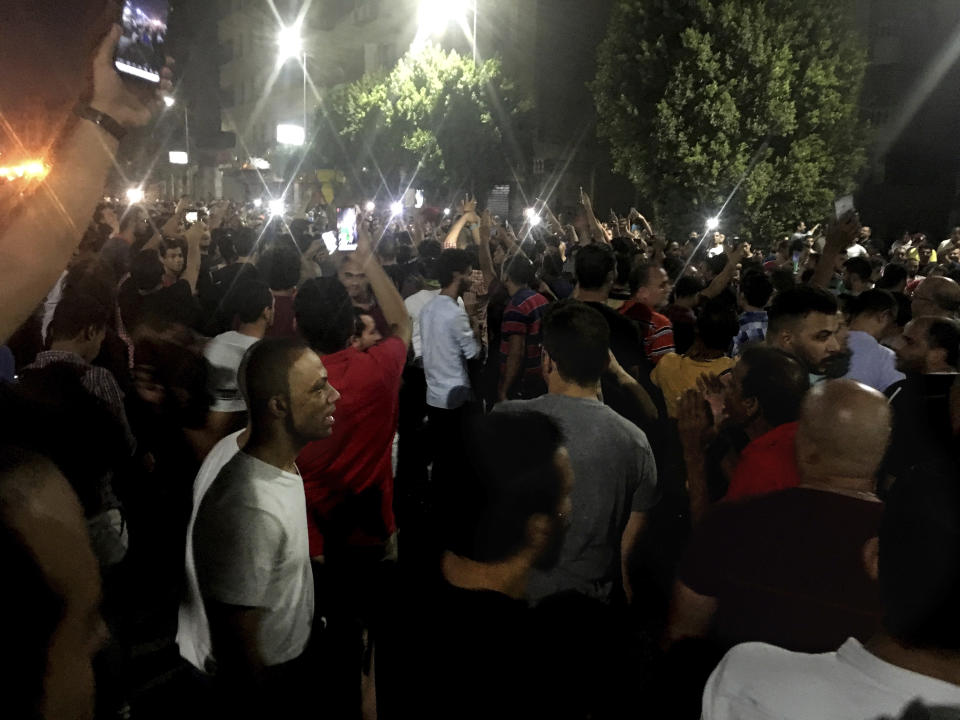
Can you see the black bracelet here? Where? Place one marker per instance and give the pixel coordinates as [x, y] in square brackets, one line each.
[101, 119]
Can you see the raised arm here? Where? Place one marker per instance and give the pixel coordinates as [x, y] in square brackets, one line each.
[596, 229]
[486, 259]
[37, 243]
[388, 298]
[839, 236]
[191, 272]
[723, 279]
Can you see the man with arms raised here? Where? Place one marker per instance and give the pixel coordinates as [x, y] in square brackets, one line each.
[248, 612]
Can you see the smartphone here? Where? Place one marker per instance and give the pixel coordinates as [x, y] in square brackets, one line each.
[843, 205]
[191, 217]
[140, 52]
[330, 240]
[347, 230]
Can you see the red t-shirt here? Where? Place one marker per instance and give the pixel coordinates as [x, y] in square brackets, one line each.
[768, 463]
[348, 477]
[284, 319]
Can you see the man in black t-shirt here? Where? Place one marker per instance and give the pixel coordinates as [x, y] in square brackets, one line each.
[467, 645]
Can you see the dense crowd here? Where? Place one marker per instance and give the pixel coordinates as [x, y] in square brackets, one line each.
[574, 469]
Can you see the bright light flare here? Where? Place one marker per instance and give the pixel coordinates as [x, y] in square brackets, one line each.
[178, 157]
[396, 208]
[277, 206]
[134, 195]
[418, 199]
[291, 135]
[435, 15]
[370, 206]
[32, 170]
[169, 101]
[289, 43]
[446, 212]
[257, 202]
[713, 223]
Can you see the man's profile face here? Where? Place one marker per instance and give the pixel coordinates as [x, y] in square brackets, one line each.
[733, 401]
[369, 337]
[657, 289]
[173, 260]
[913, 348]
[815, 339]
[56, 534]
[312, 399]
[865, 232]
[354, 279]
[466, 281]
[913, 266]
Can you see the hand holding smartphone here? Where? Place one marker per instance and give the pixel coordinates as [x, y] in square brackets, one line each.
[140, 51]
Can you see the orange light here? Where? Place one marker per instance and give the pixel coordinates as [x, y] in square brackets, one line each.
[33, 170]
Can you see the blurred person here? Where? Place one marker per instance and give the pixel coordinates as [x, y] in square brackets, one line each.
[607, 519]
[365, 333]
[250, 303]
[786, 567]
[52, 608]
[936, 296]
[928, 354]
[675, 374]
[755, 292]
[873, 315]
[237, 250]
[911, 659]
[247, 617]
[352, 275]
[857, 275]
[951, 243]
[803, 321]
[680, 312]
[116, 252]
[764, 400]
[55, 215]
[520, 334]
[650, 288]
[466, 643]
[448, 341]
[893, 278]
[281, 267]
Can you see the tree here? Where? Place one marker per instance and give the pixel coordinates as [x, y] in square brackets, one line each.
[689, 92]
[436, 116]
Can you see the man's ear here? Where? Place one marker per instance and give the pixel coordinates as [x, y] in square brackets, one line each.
[752, 406]
[546, 363]
[279, 405]
[871, 558]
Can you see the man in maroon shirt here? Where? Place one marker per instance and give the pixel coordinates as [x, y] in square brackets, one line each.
[787, 568]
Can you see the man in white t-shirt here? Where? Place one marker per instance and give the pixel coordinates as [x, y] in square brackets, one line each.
[247, 615]
[250, 305]
[915, 656]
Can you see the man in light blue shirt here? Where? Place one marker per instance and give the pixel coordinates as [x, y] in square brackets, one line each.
[448, 340]
[873, 315]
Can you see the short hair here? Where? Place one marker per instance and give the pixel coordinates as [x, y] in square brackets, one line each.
[640, 275]
[943, 334]
[281, 267]
[777, 381]
[244, 240]
[146, 270]
[577, 337]
[266, 367]
[451, 261]
[893, 275]
[172, 243]
[717, 263]
[487, 513]
[520, 270]
[782, 279]
[873, 302]
[688, 286]
[756, 288]
[36, 608]
[920, 560]
[860, 267]
[593, 265]
[718, 324]
[387, 248]
[247, 300]
[76, 312]
[796, 303]
[324, 315]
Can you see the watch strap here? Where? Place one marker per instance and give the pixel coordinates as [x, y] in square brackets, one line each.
[102, 119]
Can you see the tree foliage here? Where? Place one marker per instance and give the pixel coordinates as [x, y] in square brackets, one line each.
[690, 91]
[436, 115]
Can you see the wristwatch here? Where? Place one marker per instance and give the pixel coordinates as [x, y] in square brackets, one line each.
[101, 119]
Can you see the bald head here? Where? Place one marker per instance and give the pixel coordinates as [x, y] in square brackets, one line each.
[936, 296]
[843, 433]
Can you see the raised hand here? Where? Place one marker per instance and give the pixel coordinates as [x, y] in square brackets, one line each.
[128, 104]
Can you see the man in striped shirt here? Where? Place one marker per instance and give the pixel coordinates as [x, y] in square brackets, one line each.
[650, 288]
[520, 335]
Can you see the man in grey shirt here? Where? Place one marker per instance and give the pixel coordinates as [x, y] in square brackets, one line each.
[615, 477]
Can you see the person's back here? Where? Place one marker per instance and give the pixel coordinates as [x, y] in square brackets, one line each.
[610, 455]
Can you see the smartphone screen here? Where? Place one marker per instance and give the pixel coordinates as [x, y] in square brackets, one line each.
[191, 217]
[347, 230]
[140, 52]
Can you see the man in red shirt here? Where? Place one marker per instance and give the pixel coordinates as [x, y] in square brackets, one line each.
[650, 288]
[764, 399]
[348, 478]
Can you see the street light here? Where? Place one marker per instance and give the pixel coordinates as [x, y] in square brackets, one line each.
[134, 195]
[277, 206]
[396, 208]
[713, 223]
[291, 46]
[371, 206]
[169, 101]
[178, 157]
[435, 15]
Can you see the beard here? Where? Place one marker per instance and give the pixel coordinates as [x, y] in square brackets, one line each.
[838, 365]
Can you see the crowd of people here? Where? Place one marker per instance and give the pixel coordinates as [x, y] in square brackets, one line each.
[573, 470]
